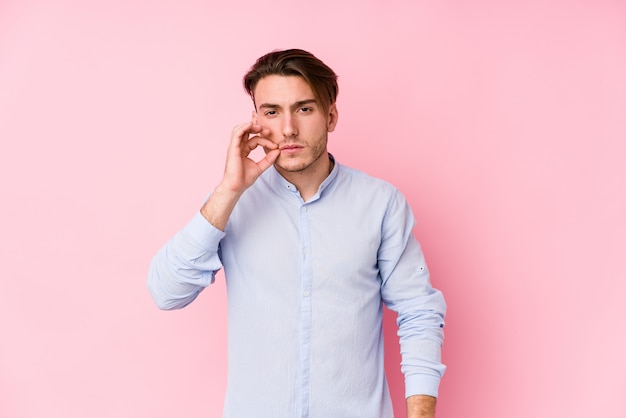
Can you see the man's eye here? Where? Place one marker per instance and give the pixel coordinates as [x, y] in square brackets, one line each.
[270, 113]
[305, 109]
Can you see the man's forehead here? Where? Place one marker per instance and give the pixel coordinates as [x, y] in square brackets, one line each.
[284, 88]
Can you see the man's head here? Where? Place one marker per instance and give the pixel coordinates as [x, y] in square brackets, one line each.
[294, 97]
[295, 62]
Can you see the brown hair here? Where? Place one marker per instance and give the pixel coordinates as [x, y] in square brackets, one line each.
[296, 62]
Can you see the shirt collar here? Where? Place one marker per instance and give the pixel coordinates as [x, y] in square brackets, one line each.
[279, 182]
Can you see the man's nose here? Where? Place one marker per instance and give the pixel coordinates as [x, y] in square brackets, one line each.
[289, 128]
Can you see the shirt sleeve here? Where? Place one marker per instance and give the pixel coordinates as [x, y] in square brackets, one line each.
[185, 265]
[406, 289]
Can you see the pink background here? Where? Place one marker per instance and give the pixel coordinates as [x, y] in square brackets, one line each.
[504, 123]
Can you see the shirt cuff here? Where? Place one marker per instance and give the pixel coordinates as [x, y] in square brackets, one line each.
[422, 384]
[202, 233]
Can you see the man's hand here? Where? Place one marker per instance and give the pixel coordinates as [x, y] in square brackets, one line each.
[240, 171]
[420, 406]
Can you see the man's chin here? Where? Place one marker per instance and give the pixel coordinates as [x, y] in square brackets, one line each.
[290, 165]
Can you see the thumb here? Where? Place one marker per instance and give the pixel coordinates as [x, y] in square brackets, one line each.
[269, 159]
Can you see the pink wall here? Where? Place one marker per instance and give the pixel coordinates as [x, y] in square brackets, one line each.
[505, 126]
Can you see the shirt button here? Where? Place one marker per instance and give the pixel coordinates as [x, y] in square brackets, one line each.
[306, 251]
[306, 293]
[304, 209]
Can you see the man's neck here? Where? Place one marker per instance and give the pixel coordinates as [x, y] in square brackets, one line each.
[308, 181]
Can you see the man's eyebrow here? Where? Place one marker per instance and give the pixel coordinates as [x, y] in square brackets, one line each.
[297, 104]
[268, 106]
[303, 102]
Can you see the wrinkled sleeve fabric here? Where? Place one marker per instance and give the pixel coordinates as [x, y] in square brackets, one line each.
[185, 265]
[406, 289]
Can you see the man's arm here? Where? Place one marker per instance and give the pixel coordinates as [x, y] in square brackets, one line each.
[188, 262]
[420, 406]
[406, 289]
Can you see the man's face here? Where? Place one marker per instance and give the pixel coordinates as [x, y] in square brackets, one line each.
[298, 124]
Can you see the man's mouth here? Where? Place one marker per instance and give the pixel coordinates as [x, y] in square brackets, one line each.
[290, 147]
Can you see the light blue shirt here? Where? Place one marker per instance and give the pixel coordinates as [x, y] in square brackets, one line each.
[306, 282]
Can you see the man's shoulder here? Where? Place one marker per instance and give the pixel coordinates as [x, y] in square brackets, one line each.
[360, 178]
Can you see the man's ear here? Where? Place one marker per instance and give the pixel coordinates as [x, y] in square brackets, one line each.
[333, 117]
[254, 117]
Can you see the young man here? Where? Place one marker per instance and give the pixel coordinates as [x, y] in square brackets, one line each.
[310, 249]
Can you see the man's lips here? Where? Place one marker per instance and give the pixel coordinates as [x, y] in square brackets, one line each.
[290, 147]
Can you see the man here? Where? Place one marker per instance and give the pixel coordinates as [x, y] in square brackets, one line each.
[310, 250]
